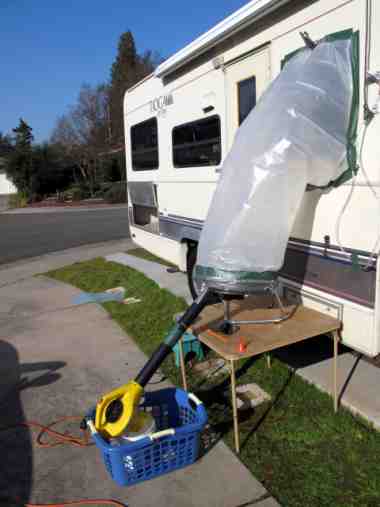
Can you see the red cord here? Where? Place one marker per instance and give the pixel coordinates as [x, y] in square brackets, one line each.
[61, 439]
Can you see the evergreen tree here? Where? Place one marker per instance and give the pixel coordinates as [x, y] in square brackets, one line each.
[20, 166]
[23, 136]
[124, 73]
[127, 70]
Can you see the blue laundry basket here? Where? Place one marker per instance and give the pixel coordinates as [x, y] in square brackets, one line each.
[180, 417]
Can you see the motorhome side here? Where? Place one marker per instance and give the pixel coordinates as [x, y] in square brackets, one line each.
[180, 123]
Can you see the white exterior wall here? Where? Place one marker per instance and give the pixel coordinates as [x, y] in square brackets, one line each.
[6, 186]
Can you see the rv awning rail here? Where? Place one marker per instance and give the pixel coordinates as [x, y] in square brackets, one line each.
[249, 13]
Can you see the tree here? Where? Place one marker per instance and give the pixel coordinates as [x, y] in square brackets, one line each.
[36, 170]
[23, 136]
[6, 149]
[52, 171]
[128, 68]
[91, 134]
[5, 145]
[82, 133]
[20, 165]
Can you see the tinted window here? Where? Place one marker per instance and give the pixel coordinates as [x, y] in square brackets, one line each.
[144, 144]
[246, 97]
[197, 143]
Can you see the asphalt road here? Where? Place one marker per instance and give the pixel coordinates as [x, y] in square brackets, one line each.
[31, 234]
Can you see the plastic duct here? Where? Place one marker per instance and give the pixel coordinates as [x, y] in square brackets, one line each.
[302, 132]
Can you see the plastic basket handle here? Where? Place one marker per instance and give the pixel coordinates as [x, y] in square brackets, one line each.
[160, 434]
[91, 426]
[196, 400]
[155, 436]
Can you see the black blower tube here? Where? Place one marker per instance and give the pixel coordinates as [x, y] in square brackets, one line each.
[164, 349]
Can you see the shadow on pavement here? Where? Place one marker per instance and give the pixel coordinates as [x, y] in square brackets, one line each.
[309, 352]
[16, 457]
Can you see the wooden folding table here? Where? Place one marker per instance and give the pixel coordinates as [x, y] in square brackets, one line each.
[254, 339]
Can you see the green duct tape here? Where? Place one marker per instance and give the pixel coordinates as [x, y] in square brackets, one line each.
[204, 273]
[354, 114]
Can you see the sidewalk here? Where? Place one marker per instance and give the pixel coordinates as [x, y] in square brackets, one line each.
[358, 381]
[25, 268]
[55, 360]
[174, 282]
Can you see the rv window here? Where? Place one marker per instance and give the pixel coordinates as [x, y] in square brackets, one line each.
[246, 97]
[197, 143]
[144, 144]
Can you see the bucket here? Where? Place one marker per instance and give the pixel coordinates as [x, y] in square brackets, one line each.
[146, 427]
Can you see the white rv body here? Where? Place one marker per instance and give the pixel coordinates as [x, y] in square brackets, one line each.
[168, 204]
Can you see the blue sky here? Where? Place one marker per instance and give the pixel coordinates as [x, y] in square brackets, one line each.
[48, 48]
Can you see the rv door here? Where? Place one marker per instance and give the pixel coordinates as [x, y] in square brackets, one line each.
[246, 79]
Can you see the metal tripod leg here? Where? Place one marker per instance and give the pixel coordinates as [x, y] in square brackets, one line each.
[230, 323]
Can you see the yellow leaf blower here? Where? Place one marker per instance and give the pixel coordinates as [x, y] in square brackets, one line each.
[118, 410]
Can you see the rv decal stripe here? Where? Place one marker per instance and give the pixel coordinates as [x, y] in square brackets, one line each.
[308, 264]
[332, 252]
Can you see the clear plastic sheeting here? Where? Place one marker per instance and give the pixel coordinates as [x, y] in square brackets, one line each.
[297, 135]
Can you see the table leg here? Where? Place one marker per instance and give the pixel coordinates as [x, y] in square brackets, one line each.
[269, 360]
[182, 362]
[336, 339]
[234, 407]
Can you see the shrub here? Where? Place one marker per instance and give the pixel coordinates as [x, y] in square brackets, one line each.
[19, 200]
[76, 193]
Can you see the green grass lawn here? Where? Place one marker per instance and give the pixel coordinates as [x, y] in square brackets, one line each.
[295, 445]
[144, 254]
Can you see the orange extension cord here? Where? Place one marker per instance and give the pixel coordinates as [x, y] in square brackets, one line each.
[61, 439]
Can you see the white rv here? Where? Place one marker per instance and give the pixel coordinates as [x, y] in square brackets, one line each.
[180, 122]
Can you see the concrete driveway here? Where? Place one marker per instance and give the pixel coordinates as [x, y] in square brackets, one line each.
[55, 360]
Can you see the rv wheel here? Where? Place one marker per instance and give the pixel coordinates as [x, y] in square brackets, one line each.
[190, 265]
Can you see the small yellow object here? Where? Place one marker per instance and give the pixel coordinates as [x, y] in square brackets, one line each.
[129, 395]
